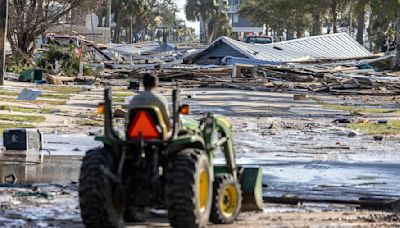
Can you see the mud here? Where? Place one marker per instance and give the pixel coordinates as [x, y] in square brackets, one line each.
[302, 152]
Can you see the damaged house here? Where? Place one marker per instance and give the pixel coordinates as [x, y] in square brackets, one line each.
[227, 51]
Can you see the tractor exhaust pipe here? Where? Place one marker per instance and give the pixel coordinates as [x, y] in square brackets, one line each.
[108, 123]
[175, 109]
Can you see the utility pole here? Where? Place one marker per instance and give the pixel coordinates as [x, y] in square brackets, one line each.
[3, 37]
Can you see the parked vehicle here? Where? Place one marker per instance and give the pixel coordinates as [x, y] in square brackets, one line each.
[259, 39]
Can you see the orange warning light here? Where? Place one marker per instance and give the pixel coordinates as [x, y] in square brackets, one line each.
[184, 110]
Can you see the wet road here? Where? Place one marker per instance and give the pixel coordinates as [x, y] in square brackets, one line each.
[301, 151]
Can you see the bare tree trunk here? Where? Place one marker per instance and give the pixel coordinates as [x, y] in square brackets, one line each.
[108, 13]
[360, 27]
[299, 33]
[316, 27]
[351, 21]
[397, 63]
[203, 30]
[117, 31]
[3, 37]
[334, 16]
[289, 34]
[130, 29]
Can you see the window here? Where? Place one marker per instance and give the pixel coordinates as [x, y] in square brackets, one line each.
[235, 18]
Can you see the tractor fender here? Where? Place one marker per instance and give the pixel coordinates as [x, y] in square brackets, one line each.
[186, 141]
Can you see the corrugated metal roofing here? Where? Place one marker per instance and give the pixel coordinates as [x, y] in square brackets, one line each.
[141, 48]
[262, 52]
[332, 46]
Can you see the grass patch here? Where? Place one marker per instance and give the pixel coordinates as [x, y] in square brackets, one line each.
[93, 123]
[61, 89]
[43, 95]
[48, 102]
[22, 118]
[118, 99]
[38, 102]
[44, 110]
[122, 94]
[56, 96]
[12, 125]
[391, 128]
[355, 108]
[8, 93]
[120, 89]
[360, 109]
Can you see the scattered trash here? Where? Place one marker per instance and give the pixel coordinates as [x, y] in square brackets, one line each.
[343, 121]
[11, 179]
[28, 94]
[352, 134]
[134, 85]
[378, 137]
[298, 97]
[119, 113]
[382, 121]
[45, 195]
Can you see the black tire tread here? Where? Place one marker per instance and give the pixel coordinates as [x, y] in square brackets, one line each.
[220, 181]
[92, 194]
[180, 190]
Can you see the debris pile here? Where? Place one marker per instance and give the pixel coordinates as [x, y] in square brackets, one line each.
[335, 78]
[333, 63]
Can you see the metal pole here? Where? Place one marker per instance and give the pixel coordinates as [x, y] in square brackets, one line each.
[3, 37]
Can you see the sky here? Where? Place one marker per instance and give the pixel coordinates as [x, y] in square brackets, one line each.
[181, 14]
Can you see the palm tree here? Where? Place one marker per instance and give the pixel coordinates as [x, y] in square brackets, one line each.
[218, 24]
[199, 10]
[126, 12]
[212, 15]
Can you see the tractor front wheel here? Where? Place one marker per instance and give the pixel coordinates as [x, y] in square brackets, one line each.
[227, 199]
[99, 206]
[189, 189]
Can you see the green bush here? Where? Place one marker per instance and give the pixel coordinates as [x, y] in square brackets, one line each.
[67, 58]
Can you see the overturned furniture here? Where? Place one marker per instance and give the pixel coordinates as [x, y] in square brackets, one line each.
[153, 168]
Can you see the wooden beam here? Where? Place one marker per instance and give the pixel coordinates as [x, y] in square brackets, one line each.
[3, 37]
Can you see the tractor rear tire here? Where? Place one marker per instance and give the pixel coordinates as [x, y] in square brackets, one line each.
[96, 191]
[227, 199]
[135, 214]
[189, 189]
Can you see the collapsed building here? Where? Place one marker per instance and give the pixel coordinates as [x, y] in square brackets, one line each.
[339, 46]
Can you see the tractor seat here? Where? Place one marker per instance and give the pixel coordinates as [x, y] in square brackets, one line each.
[146, 121]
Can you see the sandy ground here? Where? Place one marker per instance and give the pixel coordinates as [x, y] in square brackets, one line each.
[302, 152]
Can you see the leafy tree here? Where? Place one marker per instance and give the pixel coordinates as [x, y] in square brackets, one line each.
[218, 23]
[269, 12]
[140, 15]
[359, 10]
[212, 15]
[30, 18]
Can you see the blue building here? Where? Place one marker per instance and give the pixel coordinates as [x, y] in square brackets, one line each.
[240, 25]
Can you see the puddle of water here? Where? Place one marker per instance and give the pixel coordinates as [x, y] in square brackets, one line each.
[61, 171]
[54, 168]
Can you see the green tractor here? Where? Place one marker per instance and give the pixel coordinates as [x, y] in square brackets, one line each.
[146, 167]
